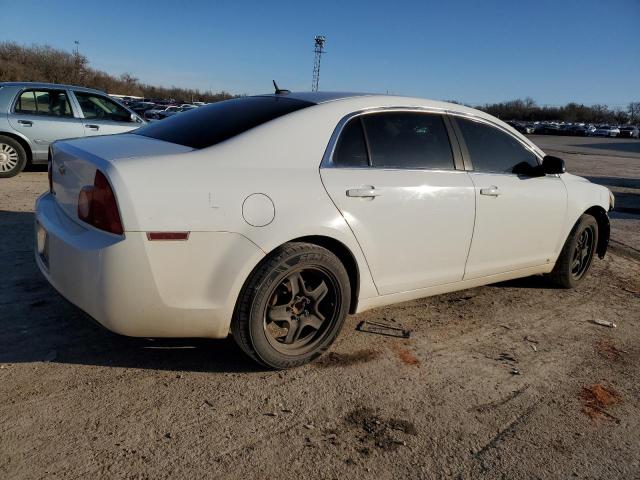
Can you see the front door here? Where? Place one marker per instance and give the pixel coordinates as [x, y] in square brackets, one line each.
[519, 214]
[392, 177]
[103, 116]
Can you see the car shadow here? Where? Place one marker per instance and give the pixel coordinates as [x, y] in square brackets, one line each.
[537, 282]
[627, 146]
[38, 325]
[621, 182]
[38, 167]
[627, 200]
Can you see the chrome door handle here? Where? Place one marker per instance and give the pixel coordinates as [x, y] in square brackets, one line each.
[491, 191]
[366, 192]
[93, 127]
[26, 123]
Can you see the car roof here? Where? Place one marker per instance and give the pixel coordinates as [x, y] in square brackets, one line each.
[49, 85]
[353, 100]
[371, 99]
[319, 97]
[340, 104]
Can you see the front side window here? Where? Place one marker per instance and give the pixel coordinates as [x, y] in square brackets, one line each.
[408, 140]
[97, 107]
[44, 102]
[493, 151]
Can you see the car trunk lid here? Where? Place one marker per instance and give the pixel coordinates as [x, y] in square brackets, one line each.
[74, 163]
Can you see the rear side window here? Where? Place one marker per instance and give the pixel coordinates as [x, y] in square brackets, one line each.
[408, 140]
[215, 123]
[351, 150]
[44, 102]
[493, 151]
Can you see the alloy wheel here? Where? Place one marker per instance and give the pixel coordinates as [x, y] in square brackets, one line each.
[583, 252]
[8, 158]
[301, 310]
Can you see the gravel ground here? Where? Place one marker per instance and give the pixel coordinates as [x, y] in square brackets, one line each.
[506, 381]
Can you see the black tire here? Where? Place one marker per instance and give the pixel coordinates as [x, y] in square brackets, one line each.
[577, 253]
[269, 293]
[13, 157]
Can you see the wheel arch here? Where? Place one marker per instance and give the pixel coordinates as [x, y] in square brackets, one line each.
[604, 228]
[21, 140]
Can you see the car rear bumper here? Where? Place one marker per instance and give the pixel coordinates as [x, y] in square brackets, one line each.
[136, 287]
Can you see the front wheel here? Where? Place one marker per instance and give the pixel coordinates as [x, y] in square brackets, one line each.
[577, 253]
[293, 306]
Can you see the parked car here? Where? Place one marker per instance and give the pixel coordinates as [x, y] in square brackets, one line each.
[538, 128]
[170, 112]
[579, 130]
[159, 111]
[375, 200]
[552, 129]
[141, 107]
[33, 115]
[629, 131]
[521, 127]
[605, 131]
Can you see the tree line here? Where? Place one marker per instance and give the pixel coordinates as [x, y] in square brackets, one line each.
[42, 63]
[528, 110]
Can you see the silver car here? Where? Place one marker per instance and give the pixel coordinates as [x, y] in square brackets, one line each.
[33, 115]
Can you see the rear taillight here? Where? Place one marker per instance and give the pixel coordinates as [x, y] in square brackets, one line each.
[97, 205]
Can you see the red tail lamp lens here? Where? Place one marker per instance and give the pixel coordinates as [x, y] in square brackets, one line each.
[98, 207]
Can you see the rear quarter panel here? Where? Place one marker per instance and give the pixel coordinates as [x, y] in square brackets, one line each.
[205, 190]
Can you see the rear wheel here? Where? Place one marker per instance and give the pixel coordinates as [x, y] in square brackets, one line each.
[576, 256]
[13, 158]
[292, 307]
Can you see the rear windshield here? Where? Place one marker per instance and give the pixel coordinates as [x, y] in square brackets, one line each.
[217, 122]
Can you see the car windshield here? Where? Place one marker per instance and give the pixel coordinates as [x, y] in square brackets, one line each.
[209, 125]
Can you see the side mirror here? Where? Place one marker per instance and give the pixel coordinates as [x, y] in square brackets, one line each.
[553, 165]
[135, 118]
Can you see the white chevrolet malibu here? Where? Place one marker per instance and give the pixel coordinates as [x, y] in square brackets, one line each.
[272, 217]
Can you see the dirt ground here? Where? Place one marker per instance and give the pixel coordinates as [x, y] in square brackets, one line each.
[506, 381]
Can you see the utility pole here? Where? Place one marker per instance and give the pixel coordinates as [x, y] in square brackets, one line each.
[76, 55]
[319, 42]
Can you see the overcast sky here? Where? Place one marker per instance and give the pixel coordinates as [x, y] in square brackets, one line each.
[558, 51]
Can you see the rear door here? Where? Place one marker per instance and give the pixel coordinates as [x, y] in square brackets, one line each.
[393, 177]
[519, 215]
[103, 116]
[43, 116]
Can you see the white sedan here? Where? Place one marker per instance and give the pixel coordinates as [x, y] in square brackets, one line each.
[605, 131]
[275, 216]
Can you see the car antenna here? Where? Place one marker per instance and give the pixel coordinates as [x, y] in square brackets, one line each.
[280, 91]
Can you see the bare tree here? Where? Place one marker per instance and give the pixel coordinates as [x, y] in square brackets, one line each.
[42, 63]
[634, 112]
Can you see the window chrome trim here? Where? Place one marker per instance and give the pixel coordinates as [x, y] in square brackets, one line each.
[475, 118]
[22, 90]
[327, 158]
